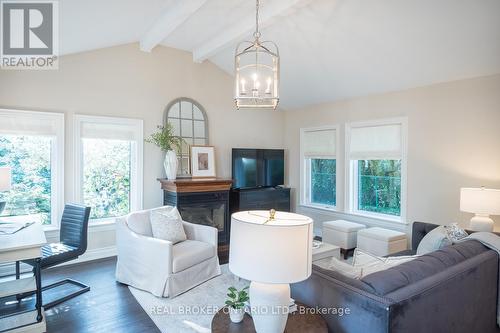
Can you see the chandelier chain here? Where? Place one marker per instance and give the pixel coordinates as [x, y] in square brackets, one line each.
[257, 32]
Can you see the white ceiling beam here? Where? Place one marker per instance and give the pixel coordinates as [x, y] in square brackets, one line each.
[169, 20]
[268, 12]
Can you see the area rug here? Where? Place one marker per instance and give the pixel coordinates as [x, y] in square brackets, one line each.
[192, 311]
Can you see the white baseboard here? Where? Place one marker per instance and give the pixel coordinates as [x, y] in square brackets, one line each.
[89, 255]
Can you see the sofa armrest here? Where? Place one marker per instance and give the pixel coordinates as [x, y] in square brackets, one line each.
[361, 310]
[142, 261]
[434, 303]
[202, 233]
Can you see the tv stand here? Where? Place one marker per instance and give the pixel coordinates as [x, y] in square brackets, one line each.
[260, 198]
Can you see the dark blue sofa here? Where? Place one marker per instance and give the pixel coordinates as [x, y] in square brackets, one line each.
[450, 290]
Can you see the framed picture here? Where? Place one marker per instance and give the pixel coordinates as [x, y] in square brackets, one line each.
[202, 161]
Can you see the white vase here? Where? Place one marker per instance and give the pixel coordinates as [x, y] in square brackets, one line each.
[170, 164]
[236, 315]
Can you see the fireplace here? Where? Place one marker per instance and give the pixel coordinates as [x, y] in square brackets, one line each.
[201, 201]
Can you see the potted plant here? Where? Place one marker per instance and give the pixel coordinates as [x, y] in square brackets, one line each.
[236, 303]
[165, 139]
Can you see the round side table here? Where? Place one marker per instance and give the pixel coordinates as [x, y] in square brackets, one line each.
[300, 321]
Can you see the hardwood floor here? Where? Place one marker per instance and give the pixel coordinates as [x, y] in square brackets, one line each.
[108, 306]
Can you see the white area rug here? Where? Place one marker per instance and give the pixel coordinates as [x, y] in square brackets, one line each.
[192, 311]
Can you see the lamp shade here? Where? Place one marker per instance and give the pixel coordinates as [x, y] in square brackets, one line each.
[5, 178]
[481, 201]
[275, 251]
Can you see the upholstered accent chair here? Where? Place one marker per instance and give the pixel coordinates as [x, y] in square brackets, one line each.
[159, 266]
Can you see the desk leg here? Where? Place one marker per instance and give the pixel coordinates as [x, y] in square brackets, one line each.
[38, 278]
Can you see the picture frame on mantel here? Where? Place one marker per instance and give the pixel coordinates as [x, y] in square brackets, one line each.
[203, 161]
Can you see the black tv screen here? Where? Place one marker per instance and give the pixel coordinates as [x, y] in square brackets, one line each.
[258, 167]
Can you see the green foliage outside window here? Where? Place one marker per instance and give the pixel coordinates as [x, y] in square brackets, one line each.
[379, 186]
[29, 158]
[323, 181]
[106, 177]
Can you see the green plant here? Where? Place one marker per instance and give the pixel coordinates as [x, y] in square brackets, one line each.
[165, 138]
[236, 299]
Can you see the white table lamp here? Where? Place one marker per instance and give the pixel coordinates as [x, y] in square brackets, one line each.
[272, 253]
[5, 183]
[482, 202]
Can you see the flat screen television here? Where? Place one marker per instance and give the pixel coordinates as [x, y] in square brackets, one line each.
[253, 168]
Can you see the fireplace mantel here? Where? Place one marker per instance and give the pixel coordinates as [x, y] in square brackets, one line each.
[189, 185]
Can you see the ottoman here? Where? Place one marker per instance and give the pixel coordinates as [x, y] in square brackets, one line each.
[341, 233]
[381, 242]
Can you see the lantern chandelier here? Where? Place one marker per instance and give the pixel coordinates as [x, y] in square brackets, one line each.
[257, 72]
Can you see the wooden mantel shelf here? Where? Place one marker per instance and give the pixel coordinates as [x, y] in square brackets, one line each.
[189, 185]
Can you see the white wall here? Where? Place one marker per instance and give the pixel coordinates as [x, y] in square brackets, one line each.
[454, 141]
[125, 82]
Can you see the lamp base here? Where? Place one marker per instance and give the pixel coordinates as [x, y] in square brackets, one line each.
[2, 206]
[269, 303]
[481, 223]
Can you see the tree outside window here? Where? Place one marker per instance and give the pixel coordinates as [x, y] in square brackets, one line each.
[30, 160]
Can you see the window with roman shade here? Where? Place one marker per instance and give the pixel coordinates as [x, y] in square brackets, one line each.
[376, 159]
[319, 148]
[108, 157]
[32, 145]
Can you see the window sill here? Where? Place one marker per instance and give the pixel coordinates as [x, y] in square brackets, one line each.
[369, 219]
[321, 207]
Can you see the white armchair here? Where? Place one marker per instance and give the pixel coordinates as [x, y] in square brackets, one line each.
[158, 266]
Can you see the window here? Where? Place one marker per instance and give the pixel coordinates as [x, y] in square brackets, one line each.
[319, 167]
[109, 156]
[189, 121]
[32, 145]
[376, 168]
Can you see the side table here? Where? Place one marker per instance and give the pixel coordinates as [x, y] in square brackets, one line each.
[325, 251]
[300, 321]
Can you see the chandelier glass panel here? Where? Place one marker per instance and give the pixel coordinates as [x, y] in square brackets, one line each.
[257, 72]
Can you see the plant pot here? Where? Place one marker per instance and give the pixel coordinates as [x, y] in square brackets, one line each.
[170, 164]
[236, 315]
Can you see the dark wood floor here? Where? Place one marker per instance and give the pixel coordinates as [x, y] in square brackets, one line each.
[108, 306]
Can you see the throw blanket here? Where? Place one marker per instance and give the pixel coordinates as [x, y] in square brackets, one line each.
[492, 241]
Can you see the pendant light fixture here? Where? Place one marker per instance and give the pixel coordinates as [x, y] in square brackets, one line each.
[257, 72]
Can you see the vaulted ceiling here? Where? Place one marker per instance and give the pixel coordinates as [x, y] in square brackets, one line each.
[330, 49]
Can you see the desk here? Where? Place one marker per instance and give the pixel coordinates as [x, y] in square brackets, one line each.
[22, 245]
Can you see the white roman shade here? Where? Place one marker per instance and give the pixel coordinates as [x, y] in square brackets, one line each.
[319, 142]
[110, 131]
[30, 123]
[376, 142]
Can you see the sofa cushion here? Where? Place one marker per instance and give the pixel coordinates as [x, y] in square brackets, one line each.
[189, 253]
[386, 281]
[139, 223]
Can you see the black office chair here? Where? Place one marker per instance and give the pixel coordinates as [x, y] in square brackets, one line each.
[73, 243]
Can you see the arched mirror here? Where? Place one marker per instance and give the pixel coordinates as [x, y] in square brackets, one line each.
[189, 121]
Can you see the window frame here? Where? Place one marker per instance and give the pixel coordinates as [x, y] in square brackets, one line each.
[56, 160]
[351, 171]
[136, 163]
[305, 169]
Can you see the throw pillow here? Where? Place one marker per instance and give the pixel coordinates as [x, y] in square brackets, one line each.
[166, 223]
[455, 233]
[361, 258]
[345, 268]
[370, 263]
[436, 239]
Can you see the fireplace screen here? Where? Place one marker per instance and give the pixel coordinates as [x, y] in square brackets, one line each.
[212, 215]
